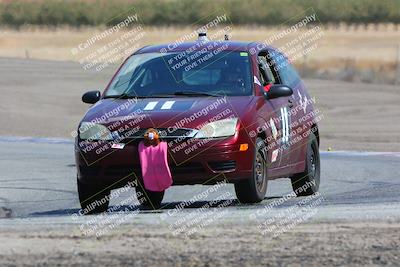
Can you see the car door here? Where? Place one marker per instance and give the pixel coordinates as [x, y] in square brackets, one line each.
[288, 76]
[277, 119]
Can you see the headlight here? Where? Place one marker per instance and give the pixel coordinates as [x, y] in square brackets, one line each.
[221, 128]
[94, 131]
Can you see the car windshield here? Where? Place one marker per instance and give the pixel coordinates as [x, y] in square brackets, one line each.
[180, 73]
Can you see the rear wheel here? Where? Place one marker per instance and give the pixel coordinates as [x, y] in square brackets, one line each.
[93, 199]
[307, 182]
[253, 189]
[149, 199]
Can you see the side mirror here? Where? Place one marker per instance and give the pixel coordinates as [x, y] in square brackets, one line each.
[278, 90]
[91, 97]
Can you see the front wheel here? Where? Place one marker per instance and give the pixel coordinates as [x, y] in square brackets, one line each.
[307, 182]
[93, 199]
[253, 190]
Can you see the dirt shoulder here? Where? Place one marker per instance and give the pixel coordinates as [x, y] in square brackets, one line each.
[314, 244]
[357, 116]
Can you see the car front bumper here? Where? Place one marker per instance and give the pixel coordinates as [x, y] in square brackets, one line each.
[200, 163]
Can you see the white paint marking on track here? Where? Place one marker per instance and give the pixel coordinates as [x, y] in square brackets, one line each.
[360, 153]
[64, 141]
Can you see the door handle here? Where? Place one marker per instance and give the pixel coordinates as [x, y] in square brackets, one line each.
[290, 103]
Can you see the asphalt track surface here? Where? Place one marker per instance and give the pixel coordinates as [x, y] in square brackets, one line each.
[37, 184]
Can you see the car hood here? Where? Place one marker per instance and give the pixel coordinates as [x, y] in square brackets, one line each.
[189, 112]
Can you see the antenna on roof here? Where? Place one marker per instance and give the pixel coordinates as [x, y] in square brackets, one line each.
[203, 37]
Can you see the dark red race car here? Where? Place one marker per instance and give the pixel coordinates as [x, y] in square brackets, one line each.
[230, 111]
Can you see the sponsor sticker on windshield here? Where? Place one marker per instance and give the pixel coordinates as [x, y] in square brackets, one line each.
[118, 146]
[244, 54]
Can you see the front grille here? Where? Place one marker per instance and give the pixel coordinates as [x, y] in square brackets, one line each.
[125, 170]
[181, 133]
[222, 166]
[192, 167]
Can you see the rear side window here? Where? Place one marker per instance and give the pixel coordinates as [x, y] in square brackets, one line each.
[287, 72]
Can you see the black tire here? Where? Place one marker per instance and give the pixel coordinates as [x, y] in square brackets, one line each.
[253, 190]
[149, 199]
[93, 199]
[307, 182]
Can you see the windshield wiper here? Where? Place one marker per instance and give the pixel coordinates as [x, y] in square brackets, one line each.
[194, 93]
[123, 96]
[161, 95]
[178, 93]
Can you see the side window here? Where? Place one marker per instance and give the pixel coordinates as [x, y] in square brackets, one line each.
[269, 75]
[287, 72]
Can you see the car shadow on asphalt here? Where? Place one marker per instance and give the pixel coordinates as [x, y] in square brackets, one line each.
[181, 205]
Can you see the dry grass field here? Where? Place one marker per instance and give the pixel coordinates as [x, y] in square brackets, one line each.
[380, 45]
[366, 54]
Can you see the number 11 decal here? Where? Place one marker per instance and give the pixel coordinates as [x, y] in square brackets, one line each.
[285, 118]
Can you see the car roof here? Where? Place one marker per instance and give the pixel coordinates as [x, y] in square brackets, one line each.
[229, 46]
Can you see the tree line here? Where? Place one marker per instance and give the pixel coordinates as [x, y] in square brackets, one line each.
[186, 12]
